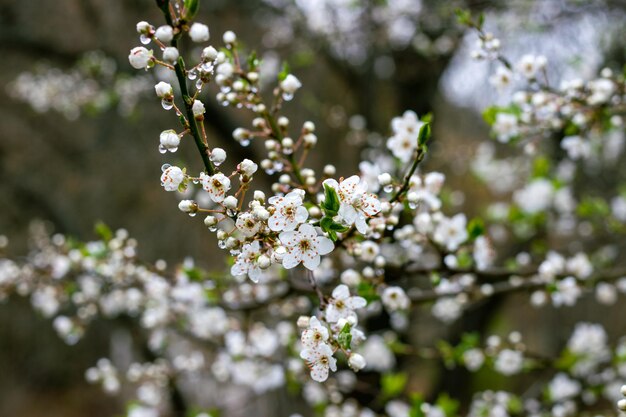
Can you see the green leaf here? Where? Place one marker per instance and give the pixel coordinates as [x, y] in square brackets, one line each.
[475, 228]
[367, 291]
[331, 201]
[449, 405]
[424, 134]
[103, 231]
[284, 72]
[416, 405]
[253, 61]
[393, 384]
[345, 337]
[191, 8]
[541, 167]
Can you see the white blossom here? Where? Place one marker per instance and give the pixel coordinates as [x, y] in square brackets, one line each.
[171, 178]
[199, 32]
[290, 84]
[451, 232]
[289, 212]
[304, 246]
[356, 204]
[216, 185]
[509, 362]
[394, 298]
[320, 360]
[342, 304]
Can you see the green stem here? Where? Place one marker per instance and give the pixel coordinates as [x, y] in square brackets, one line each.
[421, 152]
[179, 69]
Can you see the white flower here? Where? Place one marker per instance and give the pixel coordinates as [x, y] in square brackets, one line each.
[601, 91]
[164, 89]
[140, 57]
[289, 212]
[562, 388]
[377, 354]
[248, 224]
[290, 84]
[199, 32]
[320, 360]
[169, 140]
[502, 78]
[216, 185]
[406, 132]
[505, 127]
[509, 362]
[247, 167]
[529, 65]
[473, 359]
[170, 54]
[226, 69]
[567, 292]
[304, 246]
[246, 262]
[164, 33]
[316, 334]
[342, 305]
[535, 197]
[171, 178]
[576, 147]
[394, 298]
[428, 190]
[580, 266]
[484, 255]
[447, 309]
[356, 204]
[197, 108]
[451, 232]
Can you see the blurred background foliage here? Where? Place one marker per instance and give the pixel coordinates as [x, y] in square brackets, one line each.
[99, 162]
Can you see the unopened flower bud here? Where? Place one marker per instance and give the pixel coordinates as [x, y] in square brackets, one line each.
[284, 179]
[290, 84]
[199, 32]
[247, 167]
[310, 139]
[253, 76]
[170, 54]
[240, 134]
[188, 206]
[198, 109]
[303, 322]
[230, 202]
[229, 37]
[210, 221]
[264, 261]
[140, 58]
[283, 121]
[356, 362]
[164, 33]
[169, 140]
[144, 28]
[209, 53]
[287, 143]
[218, 155]
[308, 127]
[164, 90]
[384, 179]
[330, 170]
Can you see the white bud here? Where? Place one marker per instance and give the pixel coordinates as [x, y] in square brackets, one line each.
[163, 90]
[621, 404]
[210, 221]
[356, 362]
[264, 261]
[247, 167]
[140, 57]
[413, 197]
[303, 322]
[229, 37]
[199, 32]
[230, 202]
[198, 109]
[287, 143]
[284, 179]
[310, 139]
[308, 127]
[384, 179]
[259, 195]
[218, 155]
[283, 121]
[623, 390]
[144, 28]
[170, 54]
[209, 53]
[253, 76]
[239, 85]
[170, 140]
[164, 33]
[188, 206]
[260, 108]
[290, 84]
[225, 69]
[267, 164]
[330, 170]
[240, 134]
[270, 144]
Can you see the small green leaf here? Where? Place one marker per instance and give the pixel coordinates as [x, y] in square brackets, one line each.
[284, 72]
[103, 231]
[475, 228]
[424, 134]
[367, 291]
[331, 201]
[345, 337]
[449, 405]
[191, 8]
[393, 384]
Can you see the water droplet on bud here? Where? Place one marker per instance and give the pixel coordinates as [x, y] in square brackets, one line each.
[165, 166]
[144, 39]
[192, 75]
[162, 149]
[388, 188]
[287, 97]
[167, 104]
